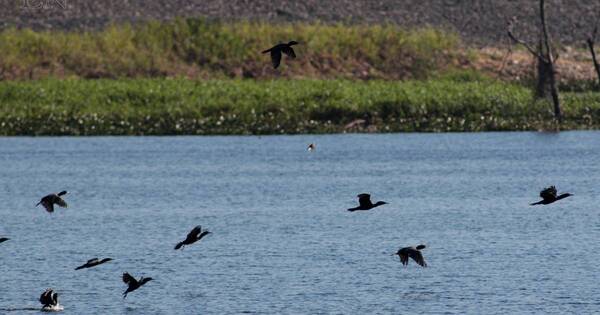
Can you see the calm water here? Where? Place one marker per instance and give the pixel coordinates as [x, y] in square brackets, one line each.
[282, 240]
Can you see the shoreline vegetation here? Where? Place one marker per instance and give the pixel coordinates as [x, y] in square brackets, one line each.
[222, 107]
[194, 77]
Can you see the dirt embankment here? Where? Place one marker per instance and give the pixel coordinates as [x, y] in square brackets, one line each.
[478, 21]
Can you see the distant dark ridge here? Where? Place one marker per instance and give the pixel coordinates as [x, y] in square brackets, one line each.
[478, 21]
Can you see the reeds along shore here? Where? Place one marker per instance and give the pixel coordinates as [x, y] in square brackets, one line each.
[183, 106]
[191, 76]
[196, 48]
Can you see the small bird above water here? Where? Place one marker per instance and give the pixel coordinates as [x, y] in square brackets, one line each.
[195, 235]
[4, 239]
[281, 48]
[311, 147]
[93, 263]
[412, 252]
[50, 200]
[49, 300]
[549, 195]
[365, 203]
[132, 283]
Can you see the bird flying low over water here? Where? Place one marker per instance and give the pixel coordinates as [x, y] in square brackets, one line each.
[49, 201]
[365, 203]
[549, 195]
[93, 263]
[4, 239]
[132, 283]
[281, 48]
[195, 235]
[412, 252]
[49, 300]
[311, 147]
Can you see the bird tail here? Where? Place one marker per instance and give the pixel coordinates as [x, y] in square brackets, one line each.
[38, 203]
[124, 294]
[266, 51]
[420, 247]
[535, 203]
[178, 246]
[80, 267]
[64, 192]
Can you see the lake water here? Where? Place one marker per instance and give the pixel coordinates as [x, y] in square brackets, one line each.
[282, 239]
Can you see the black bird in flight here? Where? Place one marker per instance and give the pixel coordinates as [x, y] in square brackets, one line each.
[132, 283]
[549, 196]
[4, 239]
[49, 298]
[365, 203]
[195, 235]
[412, 252]
[281, 48]
[311, 147]
[93, 263]
[49, 201]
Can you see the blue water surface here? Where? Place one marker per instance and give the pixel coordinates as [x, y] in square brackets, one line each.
[283, 242]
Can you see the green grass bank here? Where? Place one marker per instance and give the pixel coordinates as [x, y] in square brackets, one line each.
[183, 106]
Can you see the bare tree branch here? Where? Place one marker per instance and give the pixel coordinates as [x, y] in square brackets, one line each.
[522, 42]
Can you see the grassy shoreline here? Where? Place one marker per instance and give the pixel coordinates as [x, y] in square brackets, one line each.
[220, 107]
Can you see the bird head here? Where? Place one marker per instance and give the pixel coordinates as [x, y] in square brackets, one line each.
[107, 259]
[379, 203]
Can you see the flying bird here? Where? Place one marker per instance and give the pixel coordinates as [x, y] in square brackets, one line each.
[412, 252]
[549, 195]
[93, 263]
[49, 299]
[311, 147]
[281, 48]
[4, 239]
[195, 235]
[49, 201]
[365, 203]
[132, 283]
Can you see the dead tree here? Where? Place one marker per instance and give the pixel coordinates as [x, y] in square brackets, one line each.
[546, 67]
[591, 41]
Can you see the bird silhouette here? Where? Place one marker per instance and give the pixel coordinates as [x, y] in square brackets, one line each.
[93, 262]
[50, 200]
[132, 283]
[49, 298]
[4, 239]
[549, 195]
[281, 48]
[412, 252]
[311, 147]
[365, 203]
[195, 235]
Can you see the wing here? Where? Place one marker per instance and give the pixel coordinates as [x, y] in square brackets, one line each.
[276, 57]
[417, 256]
[48, 205]
[194, 232]
[45, 297]
[548, 193]
[55, 298]
[404, 258]
[364, 200]
[59, 201]
[289, 51]
[128, 279]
